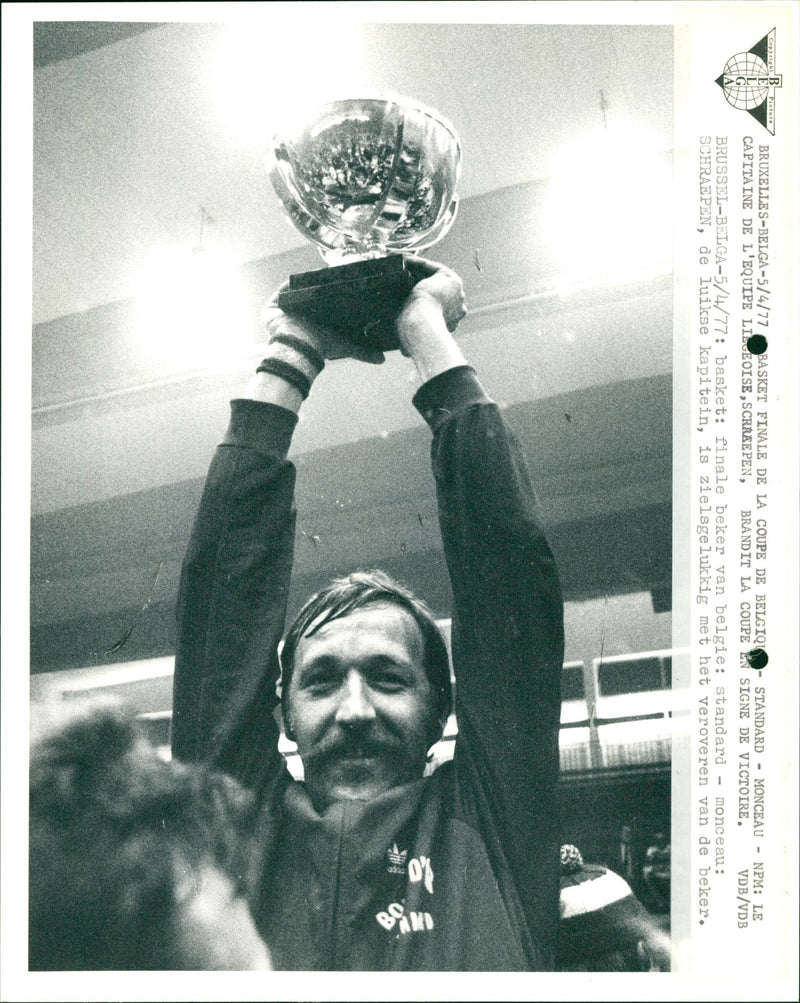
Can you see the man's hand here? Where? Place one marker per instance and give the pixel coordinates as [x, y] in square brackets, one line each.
[438, 287]
[295, 354]
[326, 342]
[431, 312]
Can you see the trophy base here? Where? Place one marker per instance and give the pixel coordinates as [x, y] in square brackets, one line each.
[358, 301]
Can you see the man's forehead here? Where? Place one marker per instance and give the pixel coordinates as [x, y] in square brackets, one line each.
[382, 622]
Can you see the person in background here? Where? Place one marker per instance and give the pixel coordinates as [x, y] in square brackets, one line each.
[134, 863]
[627, 865]
[657, 873]
[604, 927]
[367, 863]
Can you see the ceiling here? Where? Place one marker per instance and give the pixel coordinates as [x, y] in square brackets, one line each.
[135, 130]
[56, 40]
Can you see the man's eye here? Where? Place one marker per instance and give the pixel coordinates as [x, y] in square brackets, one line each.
[321, 683]
[389, 683]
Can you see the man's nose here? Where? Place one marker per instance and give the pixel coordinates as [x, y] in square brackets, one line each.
[355, 706]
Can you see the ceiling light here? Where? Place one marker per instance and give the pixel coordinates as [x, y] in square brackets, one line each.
[267, 71]
[192, 308]
[608, 211]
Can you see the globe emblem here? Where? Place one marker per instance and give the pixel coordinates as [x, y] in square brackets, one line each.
[745, 81]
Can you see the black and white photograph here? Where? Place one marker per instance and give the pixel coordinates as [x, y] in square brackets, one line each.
[378, 607]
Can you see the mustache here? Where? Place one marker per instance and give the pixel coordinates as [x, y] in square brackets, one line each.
[353, 746]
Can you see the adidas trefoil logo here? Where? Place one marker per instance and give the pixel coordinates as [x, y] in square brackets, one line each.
[397, 860]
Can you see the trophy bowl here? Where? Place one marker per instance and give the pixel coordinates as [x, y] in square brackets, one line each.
[368, 181]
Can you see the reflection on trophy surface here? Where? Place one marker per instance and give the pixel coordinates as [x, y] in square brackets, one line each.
[364, 179]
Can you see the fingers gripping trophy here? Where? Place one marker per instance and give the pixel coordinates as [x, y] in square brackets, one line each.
[370, 182]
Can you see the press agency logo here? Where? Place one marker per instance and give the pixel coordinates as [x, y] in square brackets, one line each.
[749, 81]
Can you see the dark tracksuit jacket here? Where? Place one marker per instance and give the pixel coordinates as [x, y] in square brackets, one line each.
[457, 871]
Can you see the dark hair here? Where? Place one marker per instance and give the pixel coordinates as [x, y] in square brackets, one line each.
[113, 829]
[364, 588]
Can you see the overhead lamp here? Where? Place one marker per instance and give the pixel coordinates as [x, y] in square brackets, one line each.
[192, 305]
[267, 70]
[607, 211]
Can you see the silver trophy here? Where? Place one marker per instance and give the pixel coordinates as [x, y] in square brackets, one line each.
[370, 181]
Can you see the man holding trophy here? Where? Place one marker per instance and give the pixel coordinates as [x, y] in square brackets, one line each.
[368, 864]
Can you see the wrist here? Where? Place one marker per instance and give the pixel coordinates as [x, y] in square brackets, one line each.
[287, 371]
[274, 390]
[425, 337]
[420, 312]
[296, 351]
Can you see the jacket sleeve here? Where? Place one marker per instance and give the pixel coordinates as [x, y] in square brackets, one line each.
[507, 638]
[232, 600]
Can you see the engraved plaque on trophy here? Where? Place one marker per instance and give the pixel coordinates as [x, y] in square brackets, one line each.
[370, 181]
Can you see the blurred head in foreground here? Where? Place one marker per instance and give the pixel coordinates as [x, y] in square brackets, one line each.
[135, 863]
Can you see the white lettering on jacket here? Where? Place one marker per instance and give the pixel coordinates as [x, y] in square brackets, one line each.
[419, 869]
[409, 923]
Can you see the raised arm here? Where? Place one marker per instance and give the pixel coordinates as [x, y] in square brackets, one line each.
[236, 573]
[507, 612]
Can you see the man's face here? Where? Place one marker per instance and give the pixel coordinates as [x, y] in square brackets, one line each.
[361, 707]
